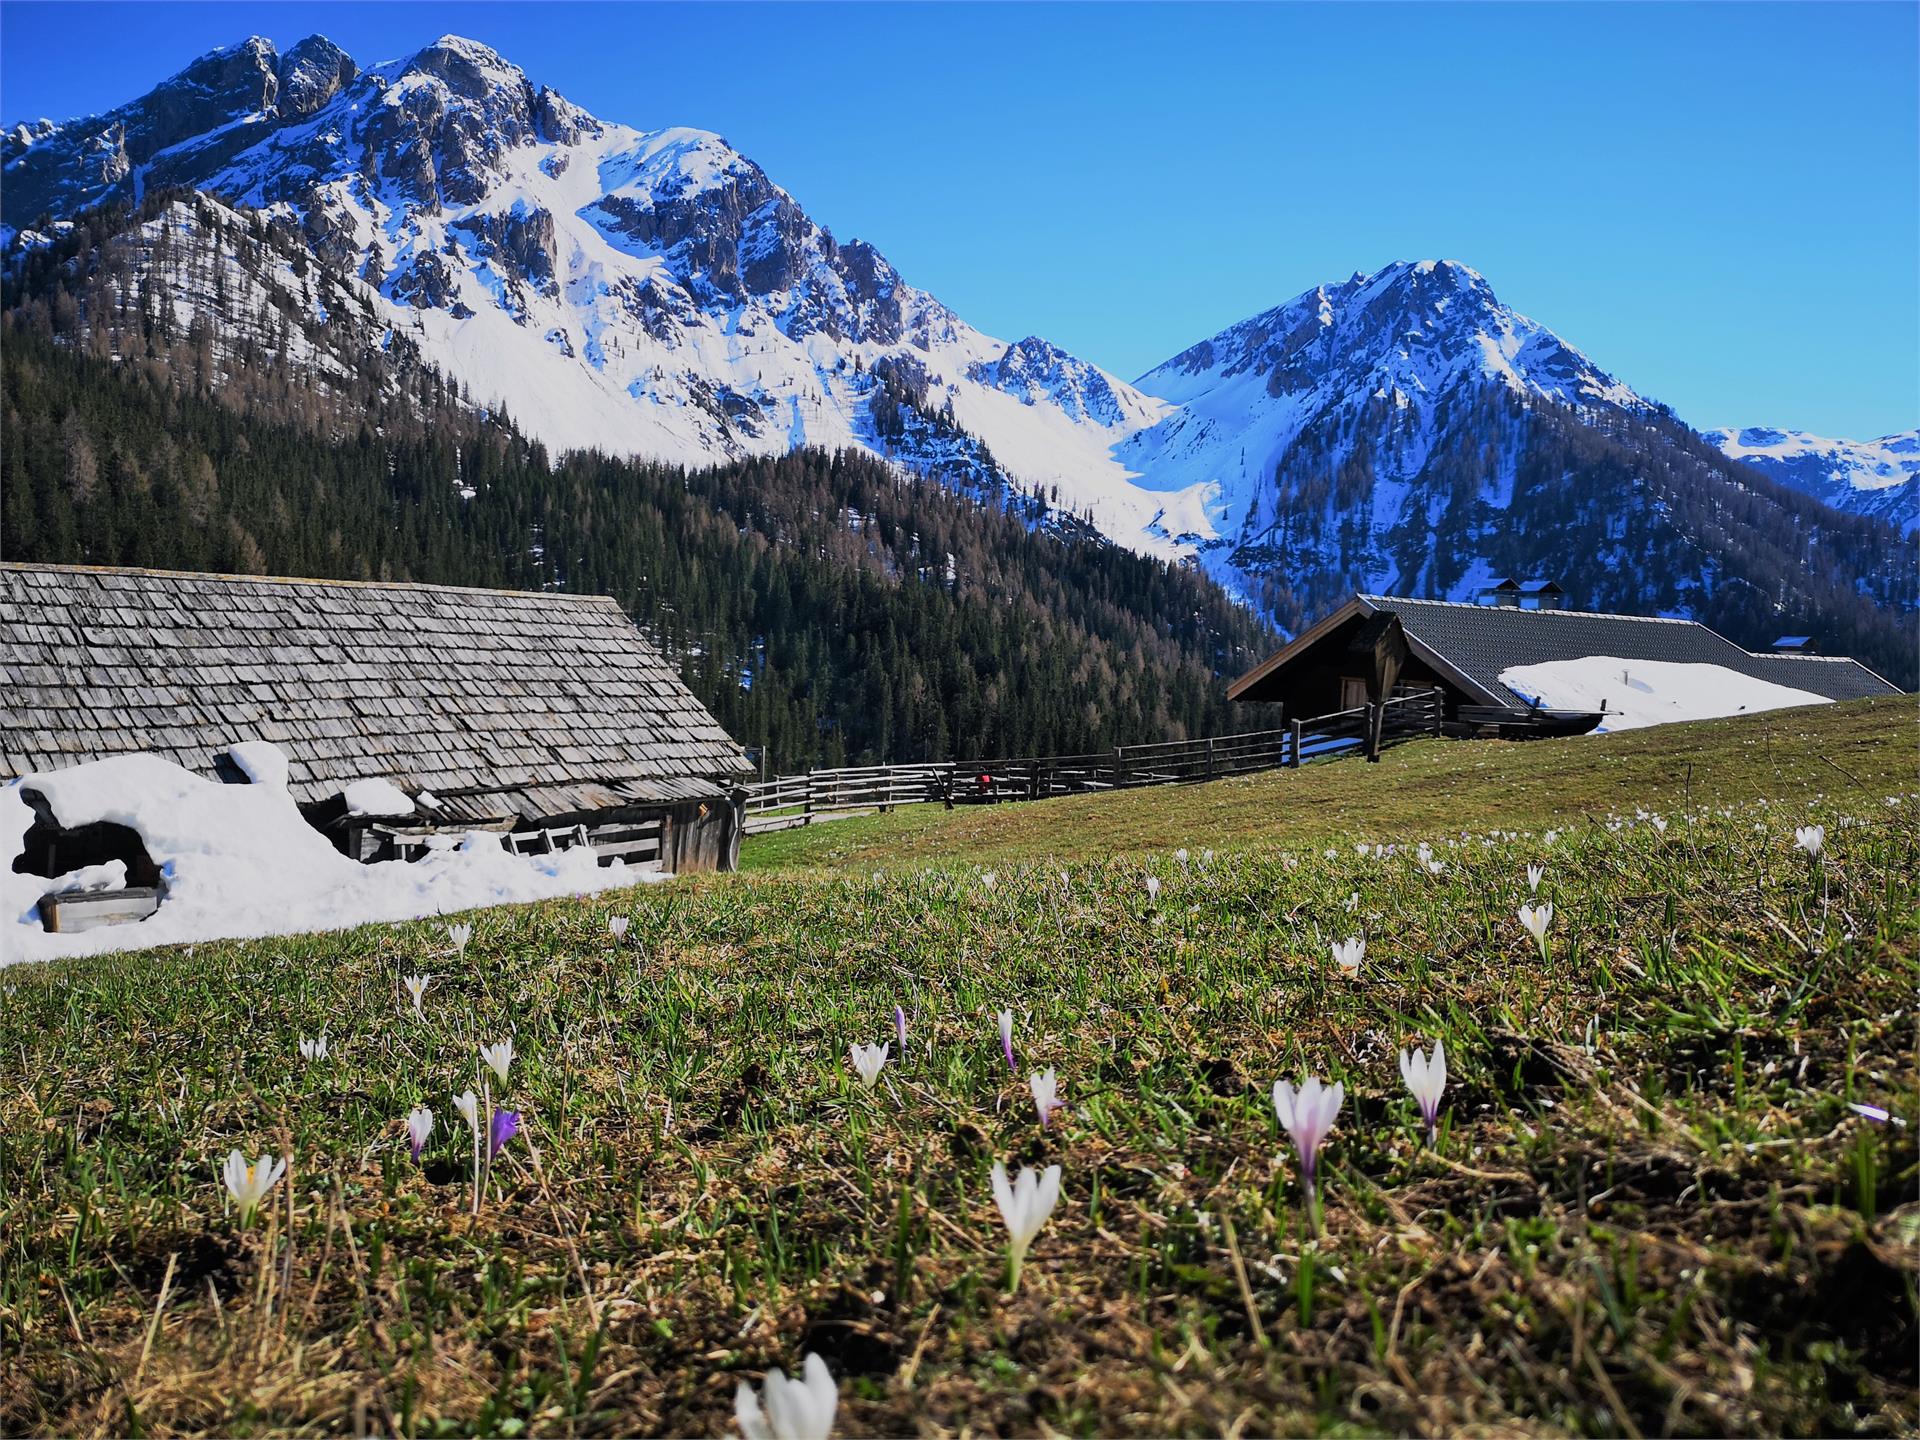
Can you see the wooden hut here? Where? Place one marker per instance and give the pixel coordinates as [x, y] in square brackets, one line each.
[1376, 644]
[546, 717]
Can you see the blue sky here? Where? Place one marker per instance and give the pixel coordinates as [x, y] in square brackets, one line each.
[1719, 203]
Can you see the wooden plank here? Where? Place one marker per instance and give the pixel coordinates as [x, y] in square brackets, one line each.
[72, 911]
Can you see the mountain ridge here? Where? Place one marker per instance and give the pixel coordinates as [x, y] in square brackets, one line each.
[656, 293]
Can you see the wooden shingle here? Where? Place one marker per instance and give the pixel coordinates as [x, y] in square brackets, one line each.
[428, 686]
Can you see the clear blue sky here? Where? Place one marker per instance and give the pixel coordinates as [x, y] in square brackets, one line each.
[1719, 203]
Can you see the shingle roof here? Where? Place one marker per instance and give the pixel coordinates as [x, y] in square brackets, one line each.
[1480, 641]
[429, 686]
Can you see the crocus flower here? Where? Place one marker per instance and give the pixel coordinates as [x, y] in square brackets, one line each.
[1180, 855]
[1006, 1037]
[417, 988]
[1811, 838]
[1348, 954]
[1874, 1113]
[1025, 1206]
[1535, 874]
[1046, 1091]
[498, 1057]
[419, 1127]
[617, 926]
[468, 1104]
[1426, 1077]
[460, 934]
[1536, 918]
[506, 1125]
[900, 1027]
[311, 1050]
[868, 1060]
[249, 1184]
[795, 1409]
[988, 880]
[1153, 889]
[1307, 1115]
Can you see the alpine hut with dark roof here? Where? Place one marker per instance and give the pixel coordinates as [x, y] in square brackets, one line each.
[1463, 649]
[547, 717]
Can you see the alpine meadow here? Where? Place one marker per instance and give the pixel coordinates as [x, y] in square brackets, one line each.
[619, 819]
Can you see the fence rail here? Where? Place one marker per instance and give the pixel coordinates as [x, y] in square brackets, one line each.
[788, 801]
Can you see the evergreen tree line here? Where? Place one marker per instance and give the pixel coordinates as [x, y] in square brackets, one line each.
[822, 605]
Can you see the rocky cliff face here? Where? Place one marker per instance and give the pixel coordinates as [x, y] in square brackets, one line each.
[657, 293]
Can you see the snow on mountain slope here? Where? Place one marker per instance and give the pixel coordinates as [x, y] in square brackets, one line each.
[1376, 373]
[637, 292]
[1871, 477]
[655, 293]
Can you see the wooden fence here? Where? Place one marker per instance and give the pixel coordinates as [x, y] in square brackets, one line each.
[792, 800]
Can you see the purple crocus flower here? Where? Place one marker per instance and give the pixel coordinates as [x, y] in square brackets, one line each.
[900, 1029]
[506, 1124]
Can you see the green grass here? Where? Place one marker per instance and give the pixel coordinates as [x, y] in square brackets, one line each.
[1650, 1208]
[1864, 748]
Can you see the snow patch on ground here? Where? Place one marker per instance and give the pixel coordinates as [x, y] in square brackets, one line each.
[1637, 693]
[239, 862]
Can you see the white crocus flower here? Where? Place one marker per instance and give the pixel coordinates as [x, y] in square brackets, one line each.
[417, 988]
[1348, 954]
[1307, 1114]
[1811, 838]
[249, 1184]
[312, 1050]
[1180, 855]
[868, 1060]
[617, 926]
[1006, 1037]
[1025, 1206]
[1535, 874]
[498, 1057]
[419, 1127]
[800, 1409]
[988, 880]
[1426, 1077]
[1536, 919]
[1153, 889]
[460, 934]
[1046, 1095]
[468, 1104]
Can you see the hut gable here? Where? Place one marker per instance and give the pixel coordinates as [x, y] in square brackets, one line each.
[1465, 649]
[455, 691]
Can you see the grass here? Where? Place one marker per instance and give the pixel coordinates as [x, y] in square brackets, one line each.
[1863, 749]
[1650, 1210]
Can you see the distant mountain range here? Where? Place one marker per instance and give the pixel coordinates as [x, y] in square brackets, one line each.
[1869, 477]
[654, 293]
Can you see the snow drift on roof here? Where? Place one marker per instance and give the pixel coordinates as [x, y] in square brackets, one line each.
[1637, 693]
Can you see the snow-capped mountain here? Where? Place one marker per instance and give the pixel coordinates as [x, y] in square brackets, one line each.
[1870, 477]
[655, 293]
[649, 293]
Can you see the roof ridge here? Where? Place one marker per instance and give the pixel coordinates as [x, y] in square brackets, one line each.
[1543, 614]
[149, 572]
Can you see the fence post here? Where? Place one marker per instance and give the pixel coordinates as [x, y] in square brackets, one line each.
[807, 805]
[1294, 728]
[1376, 716]
[1119, 767]
[1209, 757]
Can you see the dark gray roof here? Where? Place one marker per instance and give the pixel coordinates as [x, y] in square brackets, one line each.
[1480, 641]
[429, 686]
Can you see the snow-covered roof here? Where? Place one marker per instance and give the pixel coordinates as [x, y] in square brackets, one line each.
[431, 687]
[1473, 644]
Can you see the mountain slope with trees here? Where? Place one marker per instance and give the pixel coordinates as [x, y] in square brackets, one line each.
[825, 606]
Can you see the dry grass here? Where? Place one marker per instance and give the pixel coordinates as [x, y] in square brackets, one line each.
[1668, 1223]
